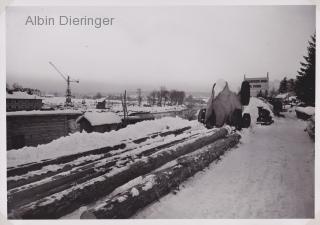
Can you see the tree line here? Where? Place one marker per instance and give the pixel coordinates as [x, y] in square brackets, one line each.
[165, 97]
[17, 87]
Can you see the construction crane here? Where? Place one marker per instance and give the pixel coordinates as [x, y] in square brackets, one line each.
[68, 80]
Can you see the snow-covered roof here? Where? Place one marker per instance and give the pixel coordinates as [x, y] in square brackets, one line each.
[292, 97]
[39, 112]
[21, 95]
[307, 110]
[101, 99]
[284, 95]
[101, 118]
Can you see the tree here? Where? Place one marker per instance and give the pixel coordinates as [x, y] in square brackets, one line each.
[305, 84]
[283, 85]
[8, 89]
[97, 96]
[181, 97]
[291, 85]
[17, 87]
[152, 97]
[266, 94]
[273, 92]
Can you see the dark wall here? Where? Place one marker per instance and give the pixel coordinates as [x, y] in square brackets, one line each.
[36, 129]
[86, 126]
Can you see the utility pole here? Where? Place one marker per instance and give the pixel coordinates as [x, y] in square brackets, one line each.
[139, 96]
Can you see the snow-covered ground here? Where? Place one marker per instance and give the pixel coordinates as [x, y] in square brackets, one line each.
[115, 105]
[270, 175]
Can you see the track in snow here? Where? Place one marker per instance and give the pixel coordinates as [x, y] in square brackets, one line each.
[270, 175]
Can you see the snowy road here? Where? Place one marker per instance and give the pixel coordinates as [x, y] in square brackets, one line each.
[270, 175]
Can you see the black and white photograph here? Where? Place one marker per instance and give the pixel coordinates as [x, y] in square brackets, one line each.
[160, 112]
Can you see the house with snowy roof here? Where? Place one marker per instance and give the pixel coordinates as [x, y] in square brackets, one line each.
[99, 122]
[18, 101]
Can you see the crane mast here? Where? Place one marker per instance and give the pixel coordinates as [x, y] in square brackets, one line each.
[68, 80]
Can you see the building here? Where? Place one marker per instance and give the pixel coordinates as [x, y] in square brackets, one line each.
[31, 128]
[99, 122]
[101, 104]
[18, 101]
[258, 84]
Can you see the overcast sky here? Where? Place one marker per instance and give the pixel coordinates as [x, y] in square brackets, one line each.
[186, 48]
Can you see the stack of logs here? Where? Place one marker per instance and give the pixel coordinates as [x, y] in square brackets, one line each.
[54, 195]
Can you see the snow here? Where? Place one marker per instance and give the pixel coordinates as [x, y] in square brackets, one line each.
[252, 109]
[101, 118]
[147, 186]
[307, 110]
[39, 112]
[152, 109]
[134, 192]
[284, 95]
[122, 198]
[270, 175]
[21, 95]
[80, 142]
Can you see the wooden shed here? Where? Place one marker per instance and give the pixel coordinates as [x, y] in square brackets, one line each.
[31, 128]
[99, 122]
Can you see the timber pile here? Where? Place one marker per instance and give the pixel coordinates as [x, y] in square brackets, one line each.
[37, 195]
[29, 173]
[160, 183]
[25, 168]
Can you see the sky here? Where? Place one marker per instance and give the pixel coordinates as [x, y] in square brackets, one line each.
[180, 47]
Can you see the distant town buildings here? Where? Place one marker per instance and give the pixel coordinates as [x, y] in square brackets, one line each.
[258, 84]
[18, 101]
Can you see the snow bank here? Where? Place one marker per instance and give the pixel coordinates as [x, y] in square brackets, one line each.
[284, 95]
[101, 118]
[152, 109]
[252, 108]
[39, 112]
[306, 110]
[80, 142]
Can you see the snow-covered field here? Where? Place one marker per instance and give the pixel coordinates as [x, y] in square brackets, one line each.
[115, 105]
[270, 175]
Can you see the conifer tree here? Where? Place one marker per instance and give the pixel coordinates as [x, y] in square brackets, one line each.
[305, 84]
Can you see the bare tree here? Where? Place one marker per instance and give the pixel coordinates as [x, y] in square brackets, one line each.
[152, 97]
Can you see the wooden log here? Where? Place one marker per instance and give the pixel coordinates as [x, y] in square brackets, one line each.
[66, 201]
[80, 174]
[160, 183]
[23, 169]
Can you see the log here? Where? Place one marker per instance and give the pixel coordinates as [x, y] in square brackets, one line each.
[52, 184]
[66, 201]
[25, 168]
[159, 183]
[80, 174]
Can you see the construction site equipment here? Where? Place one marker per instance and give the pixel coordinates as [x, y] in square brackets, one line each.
[68, 80]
